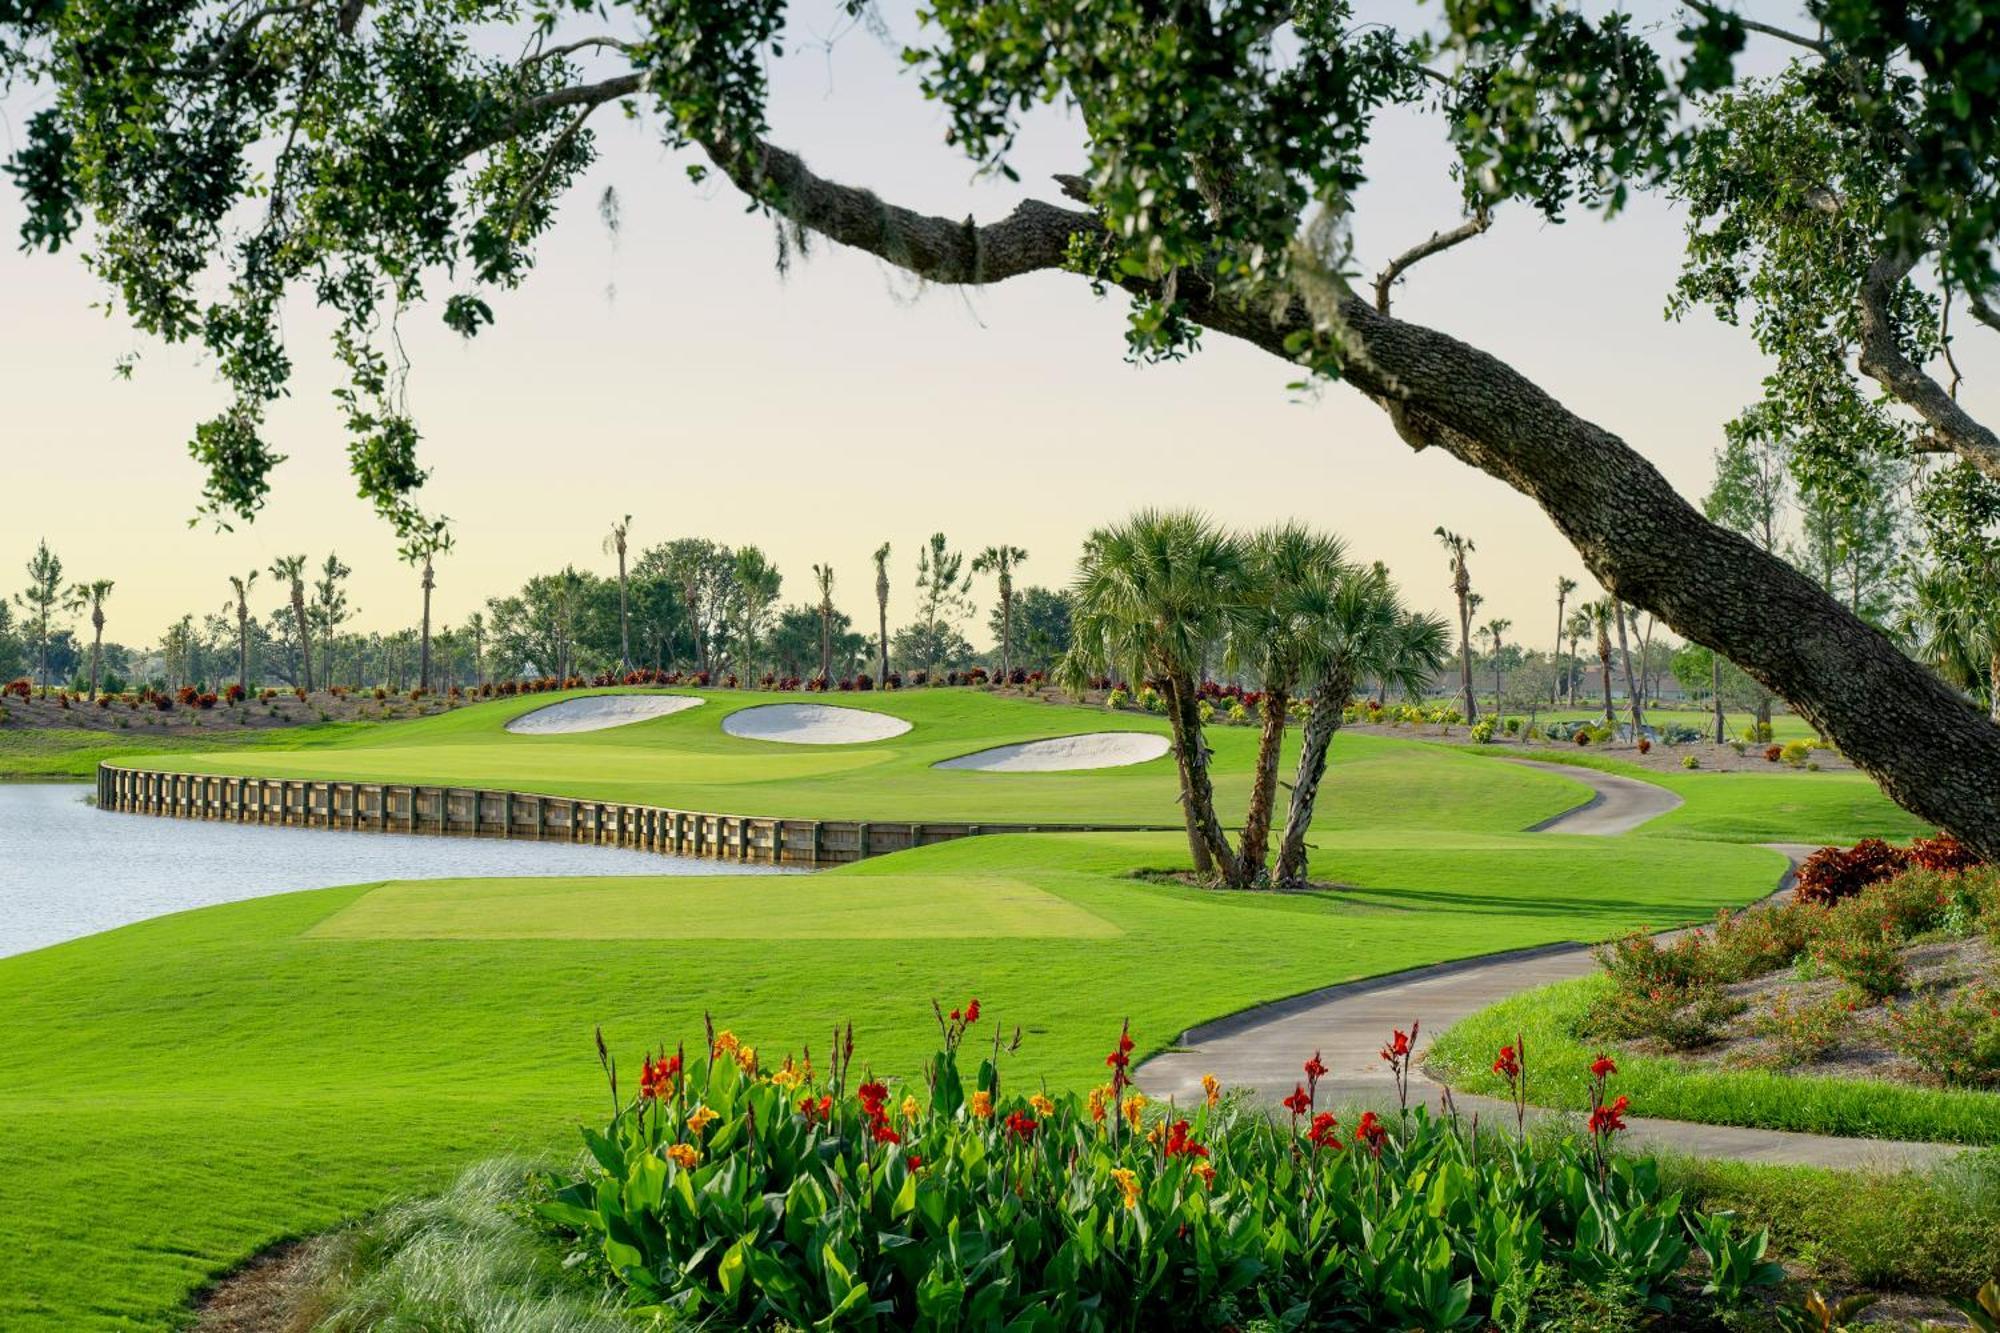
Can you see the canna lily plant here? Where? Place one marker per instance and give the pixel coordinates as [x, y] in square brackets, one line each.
[756, 1193]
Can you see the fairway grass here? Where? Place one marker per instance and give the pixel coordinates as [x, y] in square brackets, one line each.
[888, 907]
[177, 1093]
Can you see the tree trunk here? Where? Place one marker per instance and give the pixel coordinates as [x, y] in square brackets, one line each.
[96, 649]
[243, 649]
[424, 649]
[305, 640]
[624, 617]
[1007, 635]
[1555, 660]
[1604, 674]
[1632, 696]
[882, 637]
[1198, 791]
[1322, 722]
[1465, 659]
[1715, 695]
[1256, 849]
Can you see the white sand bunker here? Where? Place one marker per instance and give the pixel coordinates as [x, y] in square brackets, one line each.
[812, 724]
[598, 712]
[1099, 749]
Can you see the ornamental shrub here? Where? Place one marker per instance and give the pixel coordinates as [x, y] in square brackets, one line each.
[1955, 1042]
[1483, 729]
[1582, 736]
[1645, 745]
[1116, 699]
[735, 1192]
[1871, 965]
[1690, 761]
[1831, 873]
[1773, 753]
[1795, 753]
[1239, 713]
[1205, 711]
[1801, 1031]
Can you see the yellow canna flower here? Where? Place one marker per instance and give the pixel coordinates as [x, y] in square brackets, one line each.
[702, 1118]
[725, 1042]
[1128, 1182]
[746, 1059]
[789, 1076]
[684, 1156]
[1211, 1090]
[910, 1108]
[1043, 1106]
[1206, 1172]
[1100, 1102]
[1134, 1105]
[982, 1105]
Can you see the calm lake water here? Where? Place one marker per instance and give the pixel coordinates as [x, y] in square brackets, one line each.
[70, 869]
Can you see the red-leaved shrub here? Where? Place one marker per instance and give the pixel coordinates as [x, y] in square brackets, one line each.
[1831, 873]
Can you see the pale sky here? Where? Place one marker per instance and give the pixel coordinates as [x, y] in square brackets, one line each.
[669, 372]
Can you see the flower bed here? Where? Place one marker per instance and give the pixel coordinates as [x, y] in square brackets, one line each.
[777, 1192]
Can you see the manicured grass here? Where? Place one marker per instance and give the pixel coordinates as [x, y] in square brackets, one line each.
[686, 761]
[179, 1092]
[1552, 1017]
[1784, 805]
[897, 907]
[44, 754]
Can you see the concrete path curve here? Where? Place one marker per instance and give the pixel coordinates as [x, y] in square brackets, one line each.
[1262, 1048]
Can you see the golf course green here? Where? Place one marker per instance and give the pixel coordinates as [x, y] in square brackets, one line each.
[178, 1093]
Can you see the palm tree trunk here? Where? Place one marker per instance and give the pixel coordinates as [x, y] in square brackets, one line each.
[1256, 850]
[96, 649]
[882, 636]
[1465, 659]
[1604, 673]
[305, 642]
[1632, 696]
[1322, 722]
[243, 649]
[1715, 693]
[624, 617]
[424, 649]
[1198, 790]
[1555, 660]
[1006, 635]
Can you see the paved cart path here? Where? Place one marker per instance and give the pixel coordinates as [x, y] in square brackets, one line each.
[1262, 1048]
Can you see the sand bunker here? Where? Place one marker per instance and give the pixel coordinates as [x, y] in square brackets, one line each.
[1100, 749]
[812, 724]
[598, 712]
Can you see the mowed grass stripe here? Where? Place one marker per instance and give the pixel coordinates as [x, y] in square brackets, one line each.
[879, 907]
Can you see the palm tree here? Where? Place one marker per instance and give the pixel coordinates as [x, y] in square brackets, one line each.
[1954, 622]
[882, 607]
[1151, 594]
[1633, 694]
[90, 597]
[1290, 568]
[1578, 626]
[1564, 587]
[426, 545]
[241, 584]
[1461, 588]
[475, 627]
[1000, 561]
[1601, 612]
[1493, 629]
[823, 576]
[1356, 627]
[616, 543]
[291, 571]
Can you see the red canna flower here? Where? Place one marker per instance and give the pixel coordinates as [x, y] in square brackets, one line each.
[1298, 1103]
[1178, 1143]
[1020, 1125]
[1508, 1065]
[915, 1160]
[1314, 1068]
[1398, 1047]
[1609, 1118]
[656, 1077]
[1371, 1133]
[872, 1096]
[816, 1112]
[1603, 1067]
[885, 1134]
[1325, 1131]
[972, 1010]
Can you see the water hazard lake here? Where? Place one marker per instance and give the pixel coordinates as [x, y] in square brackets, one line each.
[69, 869]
